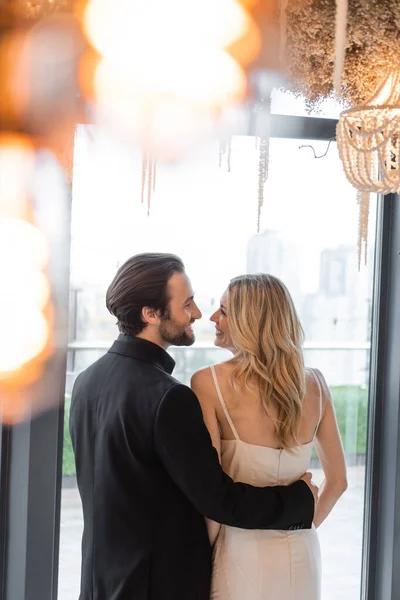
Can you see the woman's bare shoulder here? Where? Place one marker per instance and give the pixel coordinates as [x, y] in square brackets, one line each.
[316, 389]
[203, 378]
[316, 380]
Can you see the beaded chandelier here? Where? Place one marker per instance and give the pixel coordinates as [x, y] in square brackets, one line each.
[368, 140]
[368, 144]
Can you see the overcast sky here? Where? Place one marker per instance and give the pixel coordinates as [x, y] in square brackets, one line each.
[205, 213]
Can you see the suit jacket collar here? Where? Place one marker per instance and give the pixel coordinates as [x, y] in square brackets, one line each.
[135, 347]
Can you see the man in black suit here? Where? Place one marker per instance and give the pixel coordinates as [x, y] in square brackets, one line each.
[146, 469]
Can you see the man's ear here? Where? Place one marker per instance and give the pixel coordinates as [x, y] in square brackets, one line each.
[150, 315]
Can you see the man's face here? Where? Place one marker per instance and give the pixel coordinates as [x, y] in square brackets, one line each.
[175, 327]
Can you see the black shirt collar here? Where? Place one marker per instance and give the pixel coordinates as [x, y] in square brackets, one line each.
[143, 350]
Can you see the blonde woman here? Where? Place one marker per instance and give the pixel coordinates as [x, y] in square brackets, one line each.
[265, 411]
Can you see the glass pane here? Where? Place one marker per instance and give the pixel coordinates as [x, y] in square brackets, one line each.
[208, 216]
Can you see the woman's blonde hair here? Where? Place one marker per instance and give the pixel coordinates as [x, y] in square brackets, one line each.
[268, 337]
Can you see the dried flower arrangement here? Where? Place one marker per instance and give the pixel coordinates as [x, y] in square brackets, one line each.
[372, 48]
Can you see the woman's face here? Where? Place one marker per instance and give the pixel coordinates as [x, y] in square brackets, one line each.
[222, 335]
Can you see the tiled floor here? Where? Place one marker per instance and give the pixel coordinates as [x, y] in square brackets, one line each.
[340, 535]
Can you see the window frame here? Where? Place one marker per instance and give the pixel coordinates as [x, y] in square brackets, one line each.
[31, 484]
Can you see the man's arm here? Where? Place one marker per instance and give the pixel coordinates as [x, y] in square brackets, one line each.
[184, 446]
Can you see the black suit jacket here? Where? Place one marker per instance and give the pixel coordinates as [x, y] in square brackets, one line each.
[148, 473]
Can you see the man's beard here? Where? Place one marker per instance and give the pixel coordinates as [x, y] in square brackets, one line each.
[173, 333]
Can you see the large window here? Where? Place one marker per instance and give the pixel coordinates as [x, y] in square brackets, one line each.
[208, 216]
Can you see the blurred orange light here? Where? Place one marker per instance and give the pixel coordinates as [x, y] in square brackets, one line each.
[21, 245]
[25, 292]
[247, 48]
[17, 161]
[25, 297]
[122, 29]
[22, 340]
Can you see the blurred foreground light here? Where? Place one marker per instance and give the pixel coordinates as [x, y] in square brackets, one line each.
[25, 302]
[39, 83]
[122, 29]
[206, 80]
[144, 104]
[17, 164]
[157, 56]
[140, 105]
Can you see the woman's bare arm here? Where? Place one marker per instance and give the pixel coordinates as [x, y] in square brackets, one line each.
[203, 386]
[330, 452]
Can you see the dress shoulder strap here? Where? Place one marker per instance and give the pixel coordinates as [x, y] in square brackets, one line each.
[320, 399]
[222, 402]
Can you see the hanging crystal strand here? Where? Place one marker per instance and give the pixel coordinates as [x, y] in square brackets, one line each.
[263, 160]
[363, 200]
[149, 183]
[225, 148]
[229, 152]
[149, 173]
[154, 174]
[222, 151]
[144, 172]
[262, 176]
